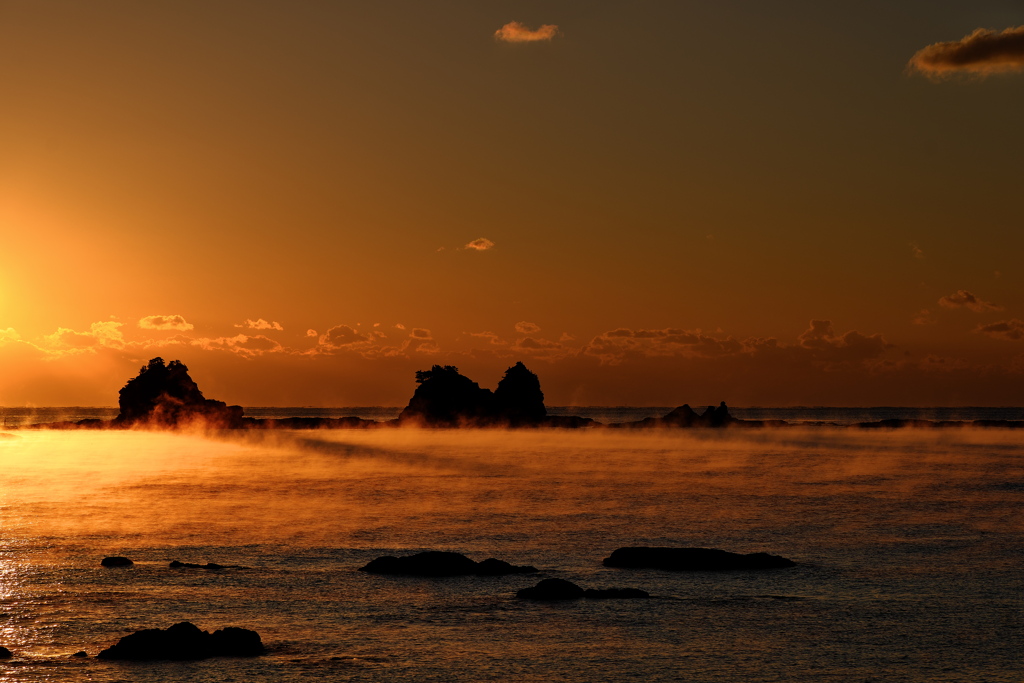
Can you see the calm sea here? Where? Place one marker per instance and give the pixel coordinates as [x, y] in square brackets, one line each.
[909, 546]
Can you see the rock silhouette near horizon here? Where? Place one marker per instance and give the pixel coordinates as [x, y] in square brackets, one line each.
[446, 398]
[164, 395]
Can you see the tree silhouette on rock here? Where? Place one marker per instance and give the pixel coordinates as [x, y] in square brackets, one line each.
[165, 396]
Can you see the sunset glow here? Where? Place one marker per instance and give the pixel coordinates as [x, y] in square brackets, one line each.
[647, 204]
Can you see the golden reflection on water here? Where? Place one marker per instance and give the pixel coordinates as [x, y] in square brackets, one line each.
[381, 486]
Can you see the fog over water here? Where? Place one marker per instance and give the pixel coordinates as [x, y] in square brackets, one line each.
[908, 544]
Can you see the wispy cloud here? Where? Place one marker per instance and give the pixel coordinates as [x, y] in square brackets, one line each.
[923, 317]
[515, 32]
[981, 53]
[260, 324]
[916, 251]
[165, 322]
[964, 299]
[1011, 329]
[242, 345]
[480, 244]
[524, 327]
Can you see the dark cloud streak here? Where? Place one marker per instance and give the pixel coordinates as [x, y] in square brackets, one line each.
[982, 53]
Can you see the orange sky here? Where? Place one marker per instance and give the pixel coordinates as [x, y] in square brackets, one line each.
[647, 203]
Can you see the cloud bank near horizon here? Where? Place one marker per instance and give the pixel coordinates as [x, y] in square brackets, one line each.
[980, 53]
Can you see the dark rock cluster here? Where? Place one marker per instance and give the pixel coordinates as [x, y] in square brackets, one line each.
[163, 395]
[116, 561]
[693, 559]
[184, 641]
[687, 417]
[441, 563]
[445, 398]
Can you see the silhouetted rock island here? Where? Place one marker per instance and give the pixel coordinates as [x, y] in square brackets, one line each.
[116, 562]
[692, 559]
[184, 641]
[163, 395]
[442, 563]
[446, 398]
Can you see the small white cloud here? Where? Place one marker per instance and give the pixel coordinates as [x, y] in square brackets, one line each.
[312, 333]
[524, 327]
[515, 32]
[480, 244]
[165, 322]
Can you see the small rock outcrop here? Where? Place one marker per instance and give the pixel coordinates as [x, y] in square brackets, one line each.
[184, 641]
[441, 563]
[693, 559]
[164, 396]
[552, 589]
[116, 561]
[615, 594]
[5, 653]
[686, 417]
[175, 564]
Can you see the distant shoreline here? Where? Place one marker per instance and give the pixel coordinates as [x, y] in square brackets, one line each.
[822, 416]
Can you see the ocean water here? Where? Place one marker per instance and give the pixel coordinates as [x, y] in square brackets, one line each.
[910, 547]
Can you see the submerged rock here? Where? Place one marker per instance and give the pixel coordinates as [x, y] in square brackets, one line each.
[615, 593]
[552, 589]
[442, 563]
[175, 564]
[116, 562]
[184, 641]
[692, 559]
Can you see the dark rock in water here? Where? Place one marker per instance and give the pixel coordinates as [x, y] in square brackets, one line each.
[236, 642]
[518, 399]
[165, 396]
[693, 559]
[175, 564]
[552, 589]
[615, 593]
[5, 653]
[441, 563]
[493, 567]
[685, 416]
[116, 562]
[568, 422]
[444, 398]
[184, 641]
[81, 653]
